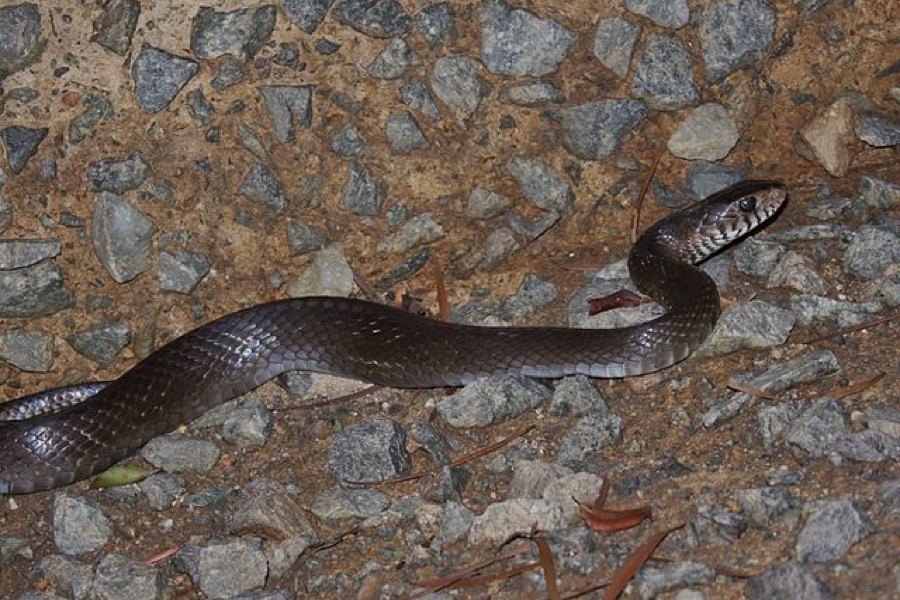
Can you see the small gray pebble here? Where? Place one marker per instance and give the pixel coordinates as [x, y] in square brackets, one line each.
[831, 528]
[79, 524]
[369, 450]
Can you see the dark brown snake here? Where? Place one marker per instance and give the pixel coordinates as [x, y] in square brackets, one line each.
[379, 344]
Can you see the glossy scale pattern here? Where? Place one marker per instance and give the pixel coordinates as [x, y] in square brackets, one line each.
[364, 340]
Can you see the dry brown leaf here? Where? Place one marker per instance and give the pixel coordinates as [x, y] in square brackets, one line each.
[546, 560]
[637, 559]
[607, 520]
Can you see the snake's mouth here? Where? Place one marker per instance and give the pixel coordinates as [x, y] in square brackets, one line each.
[724, 218]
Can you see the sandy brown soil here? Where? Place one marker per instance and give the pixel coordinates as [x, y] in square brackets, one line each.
[659, 423]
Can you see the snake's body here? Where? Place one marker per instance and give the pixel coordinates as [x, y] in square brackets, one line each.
[382, 345]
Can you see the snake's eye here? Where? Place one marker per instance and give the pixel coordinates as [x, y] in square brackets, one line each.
[747, 203]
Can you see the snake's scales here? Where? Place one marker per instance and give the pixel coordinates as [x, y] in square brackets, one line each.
[383, 345]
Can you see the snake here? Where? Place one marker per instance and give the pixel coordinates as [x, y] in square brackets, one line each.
[67, 434]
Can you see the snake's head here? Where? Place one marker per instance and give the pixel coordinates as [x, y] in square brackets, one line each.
[725, 217]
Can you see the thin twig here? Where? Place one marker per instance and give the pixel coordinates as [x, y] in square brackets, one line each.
[366, 391]
[636, 215]
[752, 390]
[454, 463]
[162, 555]
[578, 593]
[856, 387]
[866, 325]
[367, 289]
[439, 583]
[476, 580]
[441, 289]
[340, 537]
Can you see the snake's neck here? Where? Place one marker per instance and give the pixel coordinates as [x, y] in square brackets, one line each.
[659, 272]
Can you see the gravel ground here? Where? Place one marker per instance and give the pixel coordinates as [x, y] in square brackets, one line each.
[166, 165]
